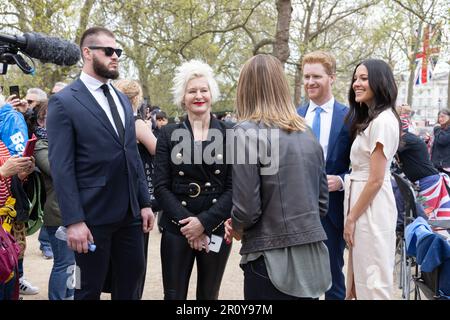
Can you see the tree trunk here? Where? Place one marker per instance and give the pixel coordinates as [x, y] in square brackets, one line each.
[299, 71]
[412, 65]
[84, 19]
[448, 91]
[298, 85]
[409, 99]
[281, 46]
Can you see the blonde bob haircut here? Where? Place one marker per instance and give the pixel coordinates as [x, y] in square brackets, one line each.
[263, 95]
[191, 70]
[132, 89]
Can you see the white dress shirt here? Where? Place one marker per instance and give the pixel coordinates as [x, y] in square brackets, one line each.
[326, 116]
[93, 86]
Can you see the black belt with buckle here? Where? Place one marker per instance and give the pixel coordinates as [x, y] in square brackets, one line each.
[194, 189]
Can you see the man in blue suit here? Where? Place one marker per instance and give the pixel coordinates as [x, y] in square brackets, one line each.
[98, 175]
[326, 118]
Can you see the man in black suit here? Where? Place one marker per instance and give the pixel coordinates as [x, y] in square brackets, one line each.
[97, 173]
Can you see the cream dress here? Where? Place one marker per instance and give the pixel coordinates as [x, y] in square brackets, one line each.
[371, 260]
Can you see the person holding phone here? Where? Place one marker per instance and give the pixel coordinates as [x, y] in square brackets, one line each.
[15, 99]
[14, 134]
[193, 187]
[14, 91]
[9, 167]
[35, 97]
[13, 128]
[29, 147]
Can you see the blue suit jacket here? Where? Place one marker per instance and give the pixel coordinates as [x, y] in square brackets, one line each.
[338, 159]
[97, 179]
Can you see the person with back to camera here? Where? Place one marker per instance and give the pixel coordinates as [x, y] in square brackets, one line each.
[277, 213]
[414, 161]
[146, 142]
[369, 208]
[193, 187]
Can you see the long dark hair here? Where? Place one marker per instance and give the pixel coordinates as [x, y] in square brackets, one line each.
[382, 83]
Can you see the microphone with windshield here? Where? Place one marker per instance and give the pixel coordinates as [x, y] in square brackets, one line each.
[39, 46]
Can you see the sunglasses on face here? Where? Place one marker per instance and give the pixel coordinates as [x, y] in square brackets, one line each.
[107, 50]
[30, 101]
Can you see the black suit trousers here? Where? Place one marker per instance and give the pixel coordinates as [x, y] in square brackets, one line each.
[120, 246]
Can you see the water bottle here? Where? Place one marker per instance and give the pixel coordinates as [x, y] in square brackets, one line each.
[61, 234]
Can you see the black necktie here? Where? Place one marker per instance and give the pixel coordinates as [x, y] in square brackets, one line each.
[114, 112]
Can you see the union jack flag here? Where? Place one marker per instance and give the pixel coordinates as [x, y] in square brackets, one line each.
[427, 59]
[436, 200]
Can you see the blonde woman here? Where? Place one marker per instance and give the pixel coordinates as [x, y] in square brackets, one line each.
[194, 192]
[132, 89]
[277, 212]
[146, 142]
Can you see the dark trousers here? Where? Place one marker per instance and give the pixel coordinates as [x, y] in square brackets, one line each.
[257, 284]
[121, 247]
[177, 260]
[108, 280]
[336, 245]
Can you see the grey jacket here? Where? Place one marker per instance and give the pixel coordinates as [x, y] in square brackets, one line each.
[282, 207]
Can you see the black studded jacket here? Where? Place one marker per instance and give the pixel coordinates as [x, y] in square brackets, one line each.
[192, 178]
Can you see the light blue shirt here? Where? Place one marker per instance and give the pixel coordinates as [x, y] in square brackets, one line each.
[326, 117]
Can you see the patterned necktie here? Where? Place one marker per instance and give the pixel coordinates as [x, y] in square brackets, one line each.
[316, 123]
[114, 112]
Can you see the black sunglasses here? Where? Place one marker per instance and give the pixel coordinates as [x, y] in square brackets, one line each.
[108, 50]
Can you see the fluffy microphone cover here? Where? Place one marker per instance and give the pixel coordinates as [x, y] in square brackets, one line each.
[51, 49]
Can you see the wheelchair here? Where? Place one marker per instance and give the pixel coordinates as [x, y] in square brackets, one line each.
[430, 260]
[405, 262]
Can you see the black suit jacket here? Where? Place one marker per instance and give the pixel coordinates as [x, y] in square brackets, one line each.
[175, 187]
[97, 178]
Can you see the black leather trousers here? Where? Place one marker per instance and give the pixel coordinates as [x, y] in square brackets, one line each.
[177, 260]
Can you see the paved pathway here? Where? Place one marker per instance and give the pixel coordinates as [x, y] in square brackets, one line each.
[37, 271]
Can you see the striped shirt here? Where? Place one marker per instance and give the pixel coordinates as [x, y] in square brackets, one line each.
[5, 183]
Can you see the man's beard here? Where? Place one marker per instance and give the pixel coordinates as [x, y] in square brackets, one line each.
[102, 71]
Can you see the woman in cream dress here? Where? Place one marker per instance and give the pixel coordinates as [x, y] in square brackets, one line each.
[369, 205]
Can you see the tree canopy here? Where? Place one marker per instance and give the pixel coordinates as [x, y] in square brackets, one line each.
[157, 36]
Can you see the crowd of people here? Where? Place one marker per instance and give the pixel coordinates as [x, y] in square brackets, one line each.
[296, 185]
